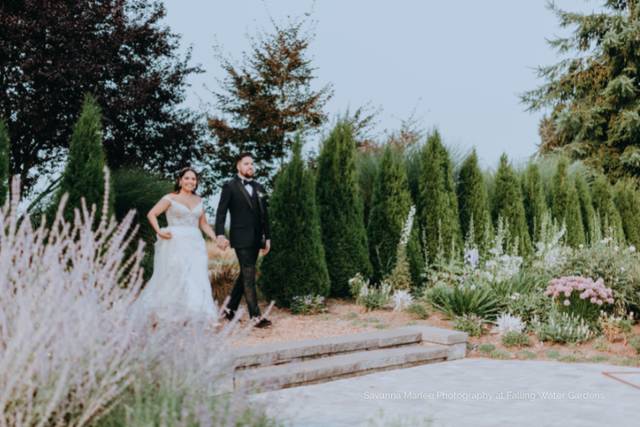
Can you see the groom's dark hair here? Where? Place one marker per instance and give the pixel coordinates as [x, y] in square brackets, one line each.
[243, 155]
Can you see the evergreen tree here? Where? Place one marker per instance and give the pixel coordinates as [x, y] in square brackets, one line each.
[297, 267]
[565, 205]
[4, 162]
[437, 203]
[341, 218]
[604, 205]
[586, 206]
[473, 201]
[83, 176]
[390, 205]
[507, 204]
[535, 205]
[593, 91]
[627, 200]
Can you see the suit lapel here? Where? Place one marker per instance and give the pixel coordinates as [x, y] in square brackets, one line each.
[244, 193]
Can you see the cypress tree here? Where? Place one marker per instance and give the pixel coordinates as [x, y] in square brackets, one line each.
[473, 201]
[391, 202]
[586, 206]
[83, 176]
[341, 218]
[627, 200]
[565, 205]
[438, 205]
[507, 204]
[297, 267]
[4, 162]
[604, 205]
[535, 205]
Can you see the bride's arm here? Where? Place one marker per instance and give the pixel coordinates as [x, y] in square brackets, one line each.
[204, 226]
[162, 205]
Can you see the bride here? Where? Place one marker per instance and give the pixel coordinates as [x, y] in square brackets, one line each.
[179, 288]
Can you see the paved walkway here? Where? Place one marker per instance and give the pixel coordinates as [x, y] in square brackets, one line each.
[467, 392]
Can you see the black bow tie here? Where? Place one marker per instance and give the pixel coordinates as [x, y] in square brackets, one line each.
[246, 182]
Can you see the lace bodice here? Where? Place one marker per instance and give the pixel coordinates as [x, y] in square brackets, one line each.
[179, 214]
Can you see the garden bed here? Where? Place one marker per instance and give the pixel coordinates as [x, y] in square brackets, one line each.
[344, 317]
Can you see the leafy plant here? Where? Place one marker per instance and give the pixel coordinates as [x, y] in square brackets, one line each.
[469, 323]
[308, 304]
[466, 299]
[515, 339]
[562, 327]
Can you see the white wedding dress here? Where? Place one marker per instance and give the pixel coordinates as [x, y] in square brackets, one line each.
[179, 288]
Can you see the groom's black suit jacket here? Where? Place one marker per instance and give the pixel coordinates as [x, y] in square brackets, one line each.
[249, 216]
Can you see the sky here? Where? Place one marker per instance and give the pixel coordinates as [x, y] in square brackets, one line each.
[459, 66]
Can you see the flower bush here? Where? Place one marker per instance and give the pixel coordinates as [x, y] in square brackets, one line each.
[308, 304]
[580, 295]
[508, 323]
[562, 327]
[73, 350]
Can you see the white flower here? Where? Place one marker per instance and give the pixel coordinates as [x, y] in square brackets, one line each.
[506, 323]
[471, 257]
[632, 249]
[401, 300]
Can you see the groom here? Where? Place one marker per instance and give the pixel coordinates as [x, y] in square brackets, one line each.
[242, 196]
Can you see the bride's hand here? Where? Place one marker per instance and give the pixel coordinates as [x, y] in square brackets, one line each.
[164, 234]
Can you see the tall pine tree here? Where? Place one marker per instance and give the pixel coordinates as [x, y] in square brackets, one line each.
[4, 162]
[437, 202]
[507, 204]
[390, 205]
[83, 176]
[535, 205]
[473, 201]
[341, 218]
[565, 205]
[604, 205]
[627, 199]
[297, 267]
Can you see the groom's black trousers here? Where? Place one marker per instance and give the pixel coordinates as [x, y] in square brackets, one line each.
[246, 282]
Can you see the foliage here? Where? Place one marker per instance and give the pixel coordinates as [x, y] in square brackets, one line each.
[634, 342]
[565, 205]
[605, 208]
[615, 327]
[535, 205]
[266, 100]
[618, 266]
[586, 207]
[419, 310]
[473, 202]
[580, 296]
[400, 276]
[402, 299]
[592, 92]
[343, 230]
[371, 297]
[437, 203]
[562, 327]
[507, 204]
[627, 200]
[389, 209]
[122, 52]
[308, 304]
[83, 175]
[299, 262]
[464, 299]
[515, 339]
[508, 323]
[469, 323]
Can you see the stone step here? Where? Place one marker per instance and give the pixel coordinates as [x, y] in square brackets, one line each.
[295, 351]
[338, 366]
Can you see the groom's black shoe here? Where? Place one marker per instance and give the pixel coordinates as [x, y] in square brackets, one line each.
[263, 323]
[228, 314]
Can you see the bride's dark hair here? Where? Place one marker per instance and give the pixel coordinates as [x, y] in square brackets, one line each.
[182, 172]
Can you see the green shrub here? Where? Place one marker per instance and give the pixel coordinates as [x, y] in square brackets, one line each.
[473, 202]
[562, 327]
[486, 348]
[419, 310]
[634, 342]
[308, 304]
[298, 266]
[344, 235]
[461, 300]
[469, 323]
[515, 339]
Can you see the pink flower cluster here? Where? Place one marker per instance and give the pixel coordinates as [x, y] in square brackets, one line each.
[596, 292]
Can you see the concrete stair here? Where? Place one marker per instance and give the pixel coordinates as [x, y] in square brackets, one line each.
[281, 365]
